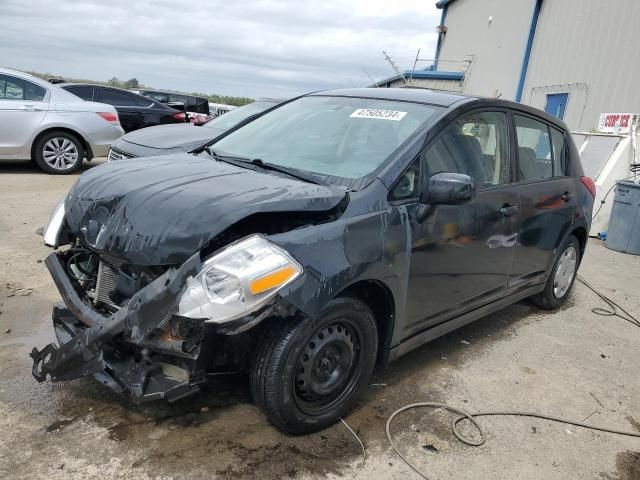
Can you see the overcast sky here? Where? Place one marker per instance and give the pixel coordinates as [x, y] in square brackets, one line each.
[251, 47]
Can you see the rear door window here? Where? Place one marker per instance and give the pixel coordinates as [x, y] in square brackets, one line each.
[535, 157]
[12, 88]
[121, 99]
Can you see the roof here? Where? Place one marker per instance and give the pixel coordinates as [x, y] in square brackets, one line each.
[431, 97]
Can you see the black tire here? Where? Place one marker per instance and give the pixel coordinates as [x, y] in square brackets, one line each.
[68, 164]
[549, 298]
[341, 346]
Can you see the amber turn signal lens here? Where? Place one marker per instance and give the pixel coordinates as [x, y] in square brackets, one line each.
[272, 280]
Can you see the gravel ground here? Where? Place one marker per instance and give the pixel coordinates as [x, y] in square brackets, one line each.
[570, 363]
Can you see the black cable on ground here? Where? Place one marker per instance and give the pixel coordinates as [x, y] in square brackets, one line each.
[472, 418]
[613, 311]
[614, 308]
[604, 199]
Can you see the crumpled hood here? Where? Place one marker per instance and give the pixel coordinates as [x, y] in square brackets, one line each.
[161, 210]
[174, 135]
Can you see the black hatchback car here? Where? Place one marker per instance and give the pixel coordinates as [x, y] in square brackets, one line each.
[135, 111]
[337, 230]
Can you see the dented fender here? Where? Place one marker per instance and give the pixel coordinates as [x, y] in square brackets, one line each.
[370, 242]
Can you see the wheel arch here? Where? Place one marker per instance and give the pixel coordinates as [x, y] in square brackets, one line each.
[85, 145]
[378, 297]
[581, 234]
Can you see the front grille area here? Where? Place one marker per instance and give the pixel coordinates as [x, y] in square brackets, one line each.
[115, 154]
[107, 281]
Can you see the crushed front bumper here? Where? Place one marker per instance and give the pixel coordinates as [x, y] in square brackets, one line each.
[123, 351]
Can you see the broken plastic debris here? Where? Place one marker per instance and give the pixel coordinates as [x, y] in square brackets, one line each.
[464, 342]
[430, 448]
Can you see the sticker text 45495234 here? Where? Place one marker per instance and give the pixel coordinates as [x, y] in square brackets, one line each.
[378, 114]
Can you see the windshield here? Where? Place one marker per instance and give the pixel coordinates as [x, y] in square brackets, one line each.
[335, 136]
[235, 116]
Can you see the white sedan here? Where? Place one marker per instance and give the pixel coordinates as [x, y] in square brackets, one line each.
[54, 128]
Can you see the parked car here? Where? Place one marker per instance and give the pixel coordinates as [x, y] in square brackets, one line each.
[135, 111]
[218, 109]
[165, 139]
[40, 121]
[335, 231]
[197, 108]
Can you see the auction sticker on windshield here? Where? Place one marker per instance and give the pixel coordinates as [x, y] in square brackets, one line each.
[379, 114]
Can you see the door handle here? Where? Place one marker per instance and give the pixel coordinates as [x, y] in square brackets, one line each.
[30, 108]
[508, 210]
[567, 196]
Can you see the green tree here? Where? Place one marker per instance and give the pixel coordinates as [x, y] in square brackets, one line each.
[132, 83]
[114, 82]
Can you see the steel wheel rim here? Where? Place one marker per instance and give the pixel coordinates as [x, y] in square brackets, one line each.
[327, 368]
[60, 153]
[565, 271]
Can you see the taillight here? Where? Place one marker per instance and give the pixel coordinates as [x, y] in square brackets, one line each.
[590, 184]
[110, 117]
[179, 116]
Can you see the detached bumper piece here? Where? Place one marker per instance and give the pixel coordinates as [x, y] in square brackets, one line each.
[139, 348]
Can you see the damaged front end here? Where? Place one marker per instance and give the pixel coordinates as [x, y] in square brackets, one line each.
[159, 332]
[135, 346]
[165, 266]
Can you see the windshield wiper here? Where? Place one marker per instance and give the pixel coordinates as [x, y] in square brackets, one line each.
[287, 171]
[244, 161]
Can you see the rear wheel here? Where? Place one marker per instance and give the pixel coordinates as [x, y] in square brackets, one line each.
[58, 153]
[562, 276]
[306, 375]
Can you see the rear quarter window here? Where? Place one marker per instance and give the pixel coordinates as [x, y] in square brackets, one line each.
[560, 164]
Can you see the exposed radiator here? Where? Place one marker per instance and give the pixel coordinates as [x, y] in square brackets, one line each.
[106, 281]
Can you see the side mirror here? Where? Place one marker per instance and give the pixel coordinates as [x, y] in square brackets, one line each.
[447, 189]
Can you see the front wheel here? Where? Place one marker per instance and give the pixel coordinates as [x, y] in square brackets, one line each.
[306, 375]
[562, 276]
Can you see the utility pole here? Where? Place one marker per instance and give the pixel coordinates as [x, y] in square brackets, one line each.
[394, 66]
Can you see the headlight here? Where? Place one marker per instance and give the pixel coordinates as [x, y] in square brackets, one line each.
[238, 280]
[54, 227]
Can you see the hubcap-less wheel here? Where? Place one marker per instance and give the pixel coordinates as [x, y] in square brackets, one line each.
[60, 153]
[565, 271]
[325, 368]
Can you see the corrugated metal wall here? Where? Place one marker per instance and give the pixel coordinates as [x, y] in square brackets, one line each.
[497, 46]
[588, 49]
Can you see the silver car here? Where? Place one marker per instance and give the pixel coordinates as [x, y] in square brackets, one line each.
[56, 129]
